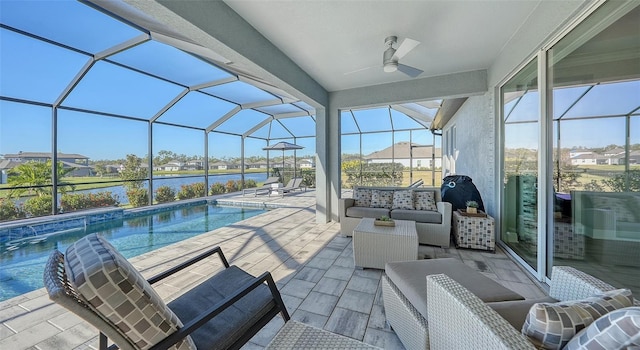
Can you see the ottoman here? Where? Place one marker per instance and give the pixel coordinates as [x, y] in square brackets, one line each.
[404, 292]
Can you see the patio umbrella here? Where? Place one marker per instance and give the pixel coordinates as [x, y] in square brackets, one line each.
[284, 146]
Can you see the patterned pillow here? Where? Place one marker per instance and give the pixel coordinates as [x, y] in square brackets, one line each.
[403, 199]
[424, 200]
[618, 329]
[552, 325]
[619, 205]
[381, 199]
[362, 197]
[115, 289]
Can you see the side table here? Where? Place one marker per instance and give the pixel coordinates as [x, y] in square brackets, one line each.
[474, 232]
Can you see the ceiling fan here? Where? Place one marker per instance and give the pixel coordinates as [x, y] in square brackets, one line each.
[391, 56]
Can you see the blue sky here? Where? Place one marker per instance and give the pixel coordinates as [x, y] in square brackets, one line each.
[39, 71]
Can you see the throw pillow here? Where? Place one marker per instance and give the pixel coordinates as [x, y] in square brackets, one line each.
[403, 199]
[381, 199]
[112, 286]
[362, 197]
[552, 325]
[618, 205]
[618, 329]
[424, 200]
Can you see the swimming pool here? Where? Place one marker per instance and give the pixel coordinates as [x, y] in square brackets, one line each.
[21, 267]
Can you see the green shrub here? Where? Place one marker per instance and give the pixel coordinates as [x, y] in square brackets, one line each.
[138, 197]
[79, 201]
[250, 183]
[231, 186]
[38, 206]
[309, 178]
[217, 188]
[9, 210]
[191, 191]
[165, 194]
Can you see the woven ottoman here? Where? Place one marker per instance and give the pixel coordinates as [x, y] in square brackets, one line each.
[404, 293]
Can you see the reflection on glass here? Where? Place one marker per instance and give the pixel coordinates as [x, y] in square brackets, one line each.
[596, 222]
[520, 216]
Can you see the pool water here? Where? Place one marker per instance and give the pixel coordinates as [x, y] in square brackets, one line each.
[21, 269]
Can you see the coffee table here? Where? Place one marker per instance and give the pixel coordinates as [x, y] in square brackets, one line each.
[374, 246]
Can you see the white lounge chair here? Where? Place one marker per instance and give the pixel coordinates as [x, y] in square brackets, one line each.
[265, 188]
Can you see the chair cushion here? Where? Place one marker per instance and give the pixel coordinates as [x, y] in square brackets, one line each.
[402, 199]
[365, 212]
[424, 200]
[116, 290]
[423, 216]
[381, 199]
[552, 325]
[515, 311]
[618, 329]
[410, 278]
[362, 197]
[227, 327]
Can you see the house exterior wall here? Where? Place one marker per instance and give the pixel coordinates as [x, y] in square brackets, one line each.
[476, 145]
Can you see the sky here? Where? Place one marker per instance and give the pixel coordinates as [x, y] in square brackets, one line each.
[38, 71]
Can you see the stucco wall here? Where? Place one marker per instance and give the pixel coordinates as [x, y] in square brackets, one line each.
[476, 145]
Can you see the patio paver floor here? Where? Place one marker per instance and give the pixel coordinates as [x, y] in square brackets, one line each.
[311, 263]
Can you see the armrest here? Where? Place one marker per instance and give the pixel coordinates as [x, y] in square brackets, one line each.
[343, 204]
[188, 263]
[568, 283]
[219, 307]
[445, 208]
[458, 319]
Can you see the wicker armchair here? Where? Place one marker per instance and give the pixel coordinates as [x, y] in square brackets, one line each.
[95, 282]
[460, 320]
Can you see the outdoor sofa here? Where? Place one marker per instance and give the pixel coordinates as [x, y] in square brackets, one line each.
[423, 205]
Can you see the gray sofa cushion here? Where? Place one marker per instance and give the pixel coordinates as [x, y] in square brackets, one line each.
[227, 327]
[515, 311]
[426, 216]
[410, 278]
[364, 212]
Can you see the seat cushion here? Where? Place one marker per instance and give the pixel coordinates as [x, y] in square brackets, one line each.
[364, 212]
[227, 327]
[515, 311]
[424, 216]
[117, 291]
[410, 278]
[552, 325]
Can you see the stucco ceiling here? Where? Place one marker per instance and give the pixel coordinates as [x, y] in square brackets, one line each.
[330, 38]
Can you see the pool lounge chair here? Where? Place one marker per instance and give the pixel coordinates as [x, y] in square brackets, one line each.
[292, 185]
[265, 188]
[94, 281]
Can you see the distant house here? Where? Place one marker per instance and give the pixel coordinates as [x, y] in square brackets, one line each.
[256, 165]
[307, 164]
[171, 166]
[405, 153]
[77, 162]
[222, 165]
[195, 165]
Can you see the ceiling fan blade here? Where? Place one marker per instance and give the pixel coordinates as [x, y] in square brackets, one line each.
[408, 70]
[359, 70]
[404, 48]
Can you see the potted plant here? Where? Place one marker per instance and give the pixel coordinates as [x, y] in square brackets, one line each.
[472, 207]
[384, 221]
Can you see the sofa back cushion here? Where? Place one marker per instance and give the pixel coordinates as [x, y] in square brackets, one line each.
[552, 325]
[381, 199]
[362, 197]
[117, 291]
[425, 200]
[403, 199]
